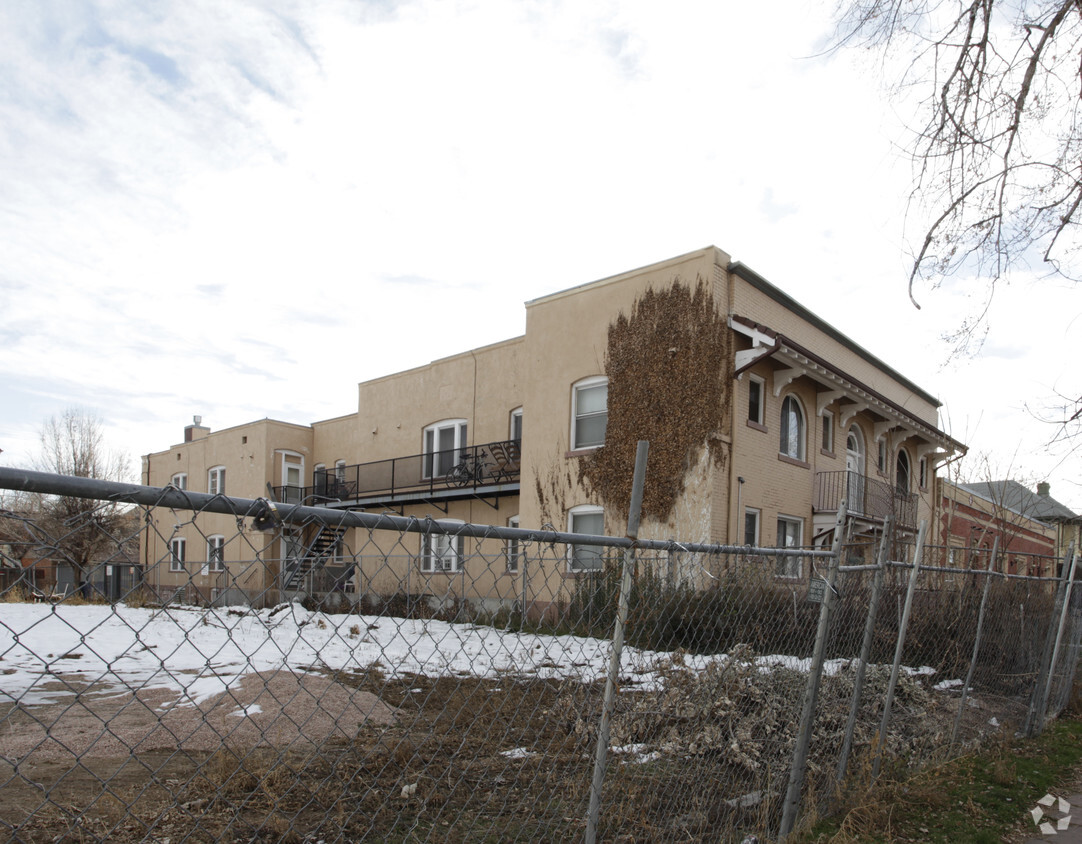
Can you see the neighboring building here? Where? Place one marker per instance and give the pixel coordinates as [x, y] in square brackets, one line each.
[36, 558]
[1039, 505]
[974, 519]
[761, 419]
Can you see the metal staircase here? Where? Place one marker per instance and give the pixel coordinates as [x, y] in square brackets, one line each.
[316, 555]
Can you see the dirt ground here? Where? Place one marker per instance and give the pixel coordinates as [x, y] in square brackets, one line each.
[97, 743]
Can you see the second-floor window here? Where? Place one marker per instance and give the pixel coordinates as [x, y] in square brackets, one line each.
[589, 412]
[516, 424]
[755, 399]
[216, 480]
[792, 429]
[443, 444]
[180, 480]
[178, 549]
[901, 472]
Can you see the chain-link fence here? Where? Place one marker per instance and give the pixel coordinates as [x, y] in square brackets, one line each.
[280, 672]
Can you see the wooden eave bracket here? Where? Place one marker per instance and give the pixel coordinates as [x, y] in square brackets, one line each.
[784, 377]
[822, 400]
[762, 345]
[749, 357]
[850, 413]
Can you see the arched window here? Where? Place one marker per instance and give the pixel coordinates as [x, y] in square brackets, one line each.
[443, 445]
[792, 429]
[901, 471]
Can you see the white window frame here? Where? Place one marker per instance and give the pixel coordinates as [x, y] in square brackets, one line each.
[759, 416]
[757, 514]
[902, 453]
[216, 480]
[319, 486]
[216, 553]
[787, 444]
[290, 461]
[513, 549]
[515, 429]
[179, 480]
[178, 553]
[437, 462]
[578, 387]
[790, 566]
[922, 472]
[574, 515]
[827, 439]
[441, 553]
[340, 471]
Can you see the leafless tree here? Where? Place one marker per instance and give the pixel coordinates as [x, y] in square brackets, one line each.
[997, 143]
[76, 531]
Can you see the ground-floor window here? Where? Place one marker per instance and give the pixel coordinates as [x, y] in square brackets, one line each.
[590, 520]
[790, 535]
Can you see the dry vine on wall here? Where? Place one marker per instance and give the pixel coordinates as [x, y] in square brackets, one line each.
[669, 369]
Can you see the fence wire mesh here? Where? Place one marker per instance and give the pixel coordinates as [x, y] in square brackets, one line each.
[194, 668]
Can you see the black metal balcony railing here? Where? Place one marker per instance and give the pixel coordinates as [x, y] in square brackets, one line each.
[865, 496]
[469, 469]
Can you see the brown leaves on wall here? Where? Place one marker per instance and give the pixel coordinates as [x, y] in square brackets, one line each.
[669, 371]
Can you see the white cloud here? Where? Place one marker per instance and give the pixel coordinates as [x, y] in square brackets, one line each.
[219, 208]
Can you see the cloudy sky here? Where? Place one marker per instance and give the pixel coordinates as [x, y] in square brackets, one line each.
[241, 209]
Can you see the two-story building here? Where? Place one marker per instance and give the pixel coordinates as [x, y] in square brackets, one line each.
[761, 418]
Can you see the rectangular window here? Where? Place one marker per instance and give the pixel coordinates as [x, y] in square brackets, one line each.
[441, 553]
[444, 444]
[881, 459]
[516, 424]
[178, 552]
[513, 549]
[180, 480]
[340, 471]
[828, 431]
[790, 535]
[755, 399]
[923, 472]
[216, 553]
[216, 481]
[588, 520]
[590, 412]
[751, 527]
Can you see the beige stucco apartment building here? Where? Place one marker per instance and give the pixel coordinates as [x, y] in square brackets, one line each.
[760, 415]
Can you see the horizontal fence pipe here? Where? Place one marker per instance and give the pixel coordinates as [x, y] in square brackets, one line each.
[46, 483]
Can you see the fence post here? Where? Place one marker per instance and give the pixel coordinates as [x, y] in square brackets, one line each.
[918, 553]
[1037, 703]
[1043, 712]
[976, 645]
[634, 513]
[866, 646]
[811, 690]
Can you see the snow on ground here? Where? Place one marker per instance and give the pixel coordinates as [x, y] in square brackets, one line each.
[49, 653]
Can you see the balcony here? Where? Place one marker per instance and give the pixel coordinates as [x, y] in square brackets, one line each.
[485, 471]
[867, 498]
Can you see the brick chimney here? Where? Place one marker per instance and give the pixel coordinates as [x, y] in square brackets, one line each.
[195, 431]
[1042, 489]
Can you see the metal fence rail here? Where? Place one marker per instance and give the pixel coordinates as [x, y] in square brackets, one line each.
[433, 681]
